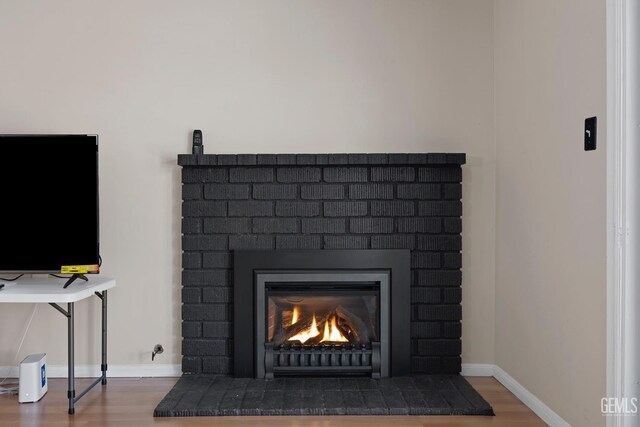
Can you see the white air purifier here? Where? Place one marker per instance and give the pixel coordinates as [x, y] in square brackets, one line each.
[33, 378]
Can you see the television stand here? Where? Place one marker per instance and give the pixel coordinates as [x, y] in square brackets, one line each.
[46, 290]
[73, 278]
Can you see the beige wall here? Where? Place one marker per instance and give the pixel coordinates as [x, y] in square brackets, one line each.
[337, 76]
[256, 76]
[551, 202]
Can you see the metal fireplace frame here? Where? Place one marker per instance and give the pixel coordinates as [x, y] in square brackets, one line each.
[379, 366]
[254, 268]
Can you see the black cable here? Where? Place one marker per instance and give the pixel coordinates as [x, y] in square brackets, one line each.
[99, 260]
[11, 280]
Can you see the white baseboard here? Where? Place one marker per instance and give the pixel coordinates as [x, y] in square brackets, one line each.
[477, 369]
[114, 371]
[528, 398]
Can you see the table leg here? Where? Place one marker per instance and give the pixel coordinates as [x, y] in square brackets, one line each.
[104, 338]
[71, 392]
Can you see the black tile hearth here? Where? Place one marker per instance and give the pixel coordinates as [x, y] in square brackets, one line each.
[207, 395]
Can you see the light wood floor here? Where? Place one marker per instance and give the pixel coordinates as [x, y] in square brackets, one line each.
[130, 403]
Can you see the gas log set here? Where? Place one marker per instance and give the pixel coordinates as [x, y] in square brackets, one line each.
[348, 321]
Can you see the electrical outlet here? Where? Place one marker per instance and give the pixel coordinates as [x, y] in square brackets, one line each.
[158, 349]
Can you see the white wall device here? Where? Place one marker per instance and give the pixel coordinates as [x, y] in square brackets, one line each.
[33, 378]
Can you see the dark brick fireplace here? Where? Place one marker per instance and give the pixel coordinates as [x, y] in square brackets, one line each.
[321, 201]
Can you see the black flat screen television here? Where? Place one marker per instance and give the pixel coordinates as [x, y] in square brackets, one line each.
[49, 204]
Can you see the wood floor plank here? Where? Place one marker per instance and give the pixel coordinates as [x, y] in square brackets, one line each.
[130, 403]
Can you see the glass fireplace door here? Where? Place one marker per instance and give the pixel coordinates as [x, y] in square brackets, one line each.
[322, 324]
[322, 315]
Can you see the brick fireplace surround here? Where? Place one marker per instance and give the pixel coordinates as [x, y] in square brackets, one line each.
[321, 201]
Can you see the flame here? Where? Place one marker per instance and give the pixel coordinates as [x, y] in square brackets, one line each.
[304, 336]
[332, 333]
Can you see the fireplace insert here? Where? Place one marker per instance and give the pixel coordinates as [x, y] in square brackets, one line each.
[321, 313]
[322, 323]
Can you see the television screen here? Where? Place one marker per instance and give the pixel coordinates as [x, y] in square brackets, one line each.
[49, 202]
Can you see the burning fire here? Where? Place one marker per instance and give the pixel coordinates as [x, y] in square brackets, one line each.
[331, 331]
[306, 335]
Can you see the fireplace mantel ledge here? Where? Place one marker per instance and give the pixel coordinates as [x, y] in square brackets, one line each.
[432, 159]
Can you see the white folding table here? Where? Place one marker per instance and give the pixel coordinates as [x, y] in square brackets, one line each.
[50, 290]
